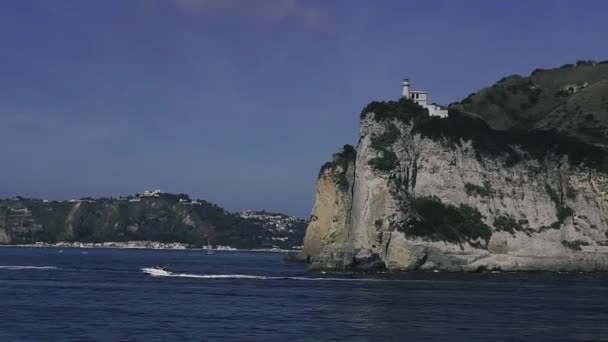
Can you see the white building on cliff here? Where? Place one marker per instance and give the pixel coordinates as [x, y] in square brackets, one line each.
[421, 97]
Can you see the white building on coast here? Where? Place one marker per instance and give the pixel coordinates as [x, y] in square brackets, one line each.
[421, 97]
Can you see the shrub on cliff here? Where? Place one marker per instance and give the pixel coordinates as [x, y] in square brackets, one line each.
[563, 211]
[536, 144]
[575, 245]
[403, 110]
[445, 222]
[342, 159]
[509, 224]
[386, 139]
[386, 162]
[476, 190]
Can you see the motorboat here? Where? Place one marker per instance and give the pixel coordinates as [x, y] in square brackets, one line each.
[208, 248]
[157, 271]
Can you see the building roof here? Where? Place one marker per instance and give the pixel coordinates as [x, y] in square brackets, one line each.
[440, 106]
[419, 91]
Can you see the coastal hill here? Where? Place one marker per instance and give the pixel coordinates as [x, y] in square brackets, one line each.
[515, 178]
[571, 100]
[151, 216]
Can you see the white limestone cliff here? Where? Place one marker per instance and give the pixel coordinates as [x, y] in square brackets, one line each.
[364, 223]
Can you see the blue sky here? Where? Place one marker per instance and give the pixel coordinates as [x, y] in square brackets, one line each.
[239, 102]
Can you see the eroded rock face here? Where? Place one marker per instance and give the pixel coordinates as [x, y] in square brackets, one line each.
[330, 217]
[4, 238]
[541, 212]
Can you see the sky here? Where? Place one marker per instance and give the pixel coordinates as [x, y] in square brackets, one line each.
[239, 102]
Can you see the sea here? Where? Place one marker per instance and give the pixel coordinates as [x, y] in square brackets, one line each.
[49, 294]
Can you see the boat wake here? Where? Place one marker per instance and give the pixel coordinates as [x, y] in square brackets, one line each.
[16, 268]
[260, 277]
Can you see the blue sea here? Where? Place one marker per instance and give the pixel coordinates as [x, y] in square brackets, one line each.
[102, 295]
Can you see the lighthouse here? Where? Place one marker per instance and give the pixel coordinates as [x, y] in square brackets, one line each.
[405, 92]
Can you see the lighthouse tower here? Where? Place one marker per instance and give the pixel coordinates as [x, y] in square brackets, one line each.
[405, 92]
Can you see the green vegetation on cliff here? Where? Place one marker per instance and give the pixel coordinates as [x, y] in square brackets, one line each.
[387, 161]
[339, 166]
[387, 138]
[563, 211]
[445, 222]
[515, 144]
[402, 109]
[476, 190]
[510, 225]
[575, 245]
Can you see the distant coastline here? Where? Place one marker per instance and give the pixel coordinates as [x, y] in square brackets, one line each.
[151, 245]
[151, 216]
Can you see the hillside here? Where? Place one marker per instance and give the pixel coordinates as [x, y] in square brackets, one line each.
[502, 183]
[571, 100]
[160, 217]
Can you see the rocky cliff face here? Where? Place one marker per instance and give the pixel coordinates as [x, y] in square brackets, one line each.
[409, 200]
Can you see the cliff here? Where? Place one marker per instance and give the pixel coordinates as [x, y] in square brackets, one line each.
[162, 218]
[456, 194]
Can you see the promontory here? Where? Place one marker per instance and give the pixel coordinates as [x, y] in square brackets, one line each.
[512, 178]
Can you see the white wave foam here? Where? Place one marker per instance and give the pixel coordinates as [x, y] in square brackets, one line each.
[15, 268]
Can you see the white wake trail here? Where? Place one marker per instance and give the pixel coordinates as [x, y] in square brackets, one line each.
[259, 277]
[16, 268]
[220, 276]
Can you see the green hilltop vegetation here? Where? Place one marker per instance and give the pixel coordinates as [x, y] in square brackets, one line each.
[571, 100]
[162, 218]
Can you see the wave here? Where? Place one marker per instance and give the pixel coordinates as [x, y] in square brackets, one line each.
[16, 268]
